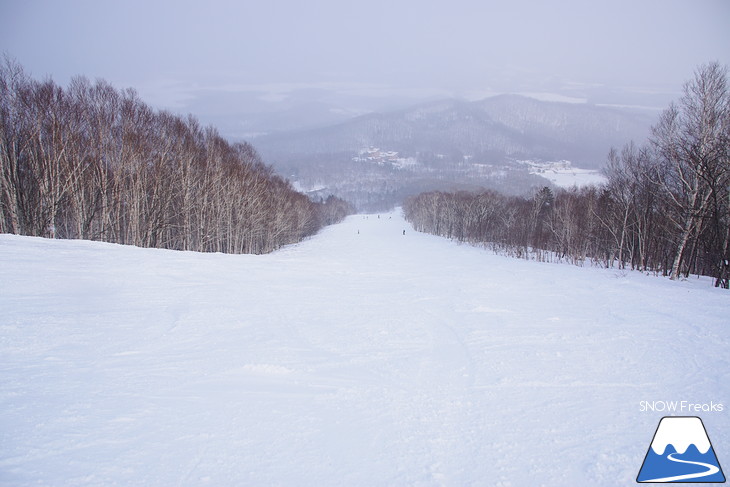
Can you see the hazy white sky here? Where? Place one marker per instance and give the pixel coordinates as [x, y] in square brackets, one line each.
[179, 53]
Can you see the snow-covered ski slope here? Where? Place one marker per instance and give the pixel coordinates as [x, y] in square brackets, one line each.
[360, 357]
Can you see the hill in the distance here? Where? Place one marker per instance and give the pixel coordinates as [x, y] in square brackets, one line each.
[455, 142]
[492, 130]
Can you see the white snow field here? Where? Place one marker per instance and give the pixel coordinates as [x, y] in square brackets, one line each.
[360, 357]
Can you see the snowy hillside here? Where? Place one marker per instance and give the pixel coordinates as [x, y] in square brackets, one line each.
[494, 130]
[362, 356]
[563, 174]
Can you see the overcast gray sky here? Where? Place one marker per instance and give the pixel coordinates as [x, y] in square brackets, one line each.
[211, 55]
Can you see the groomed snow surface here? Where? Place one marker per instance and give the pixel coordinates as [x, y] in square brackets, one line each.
[360, 357]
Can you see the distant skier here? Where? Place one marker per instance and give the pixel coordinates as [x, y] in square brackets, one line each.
[404, 232]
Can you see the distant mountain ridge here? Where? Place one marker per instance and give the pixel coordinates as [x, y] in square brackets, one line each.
[493, 130]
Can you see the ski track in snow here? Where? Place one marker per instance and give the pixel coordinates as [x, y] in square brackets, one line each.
[361, 356]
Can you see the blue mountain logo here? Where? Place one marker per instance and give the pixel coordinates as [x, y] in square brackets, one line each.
[680, 452]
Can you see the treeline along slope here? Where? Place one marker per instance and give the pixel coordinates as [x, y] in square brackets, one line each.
[93, 162]
[665, 207]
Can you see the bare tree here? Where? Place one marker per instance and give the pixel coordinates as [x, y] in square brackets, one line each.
[691, 140]
[94, 162]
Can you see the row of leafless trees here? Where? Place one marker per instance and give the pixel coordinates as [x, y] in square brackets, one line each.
[665, 207]
[92, 162]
